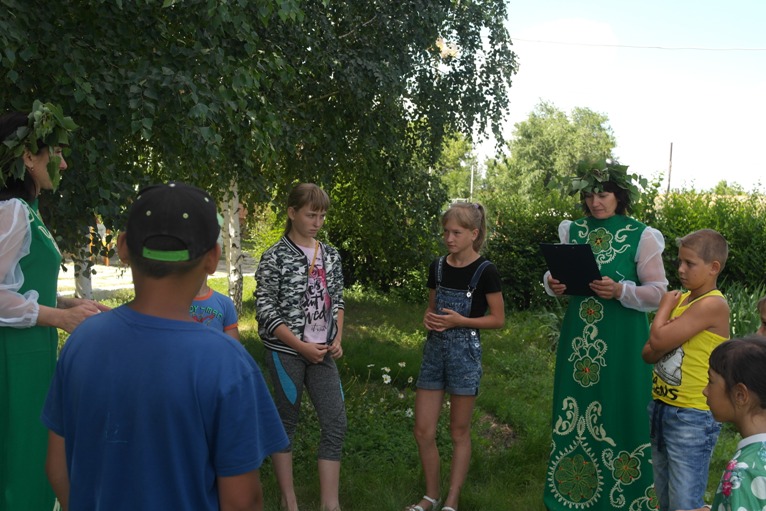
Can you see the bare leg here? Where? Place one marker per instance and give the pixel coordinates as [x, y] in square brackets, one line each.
[428, 404]
[329, 480]
[283, 469]
[461, 412]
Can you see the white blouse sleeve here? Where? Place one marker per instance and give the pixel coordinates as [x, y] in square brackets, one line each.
[563, 238]
[646, 295]
[16, 310]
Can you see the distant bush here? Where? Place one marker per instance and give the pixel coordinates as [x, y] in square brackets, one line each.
[516, 230]
[740, 219]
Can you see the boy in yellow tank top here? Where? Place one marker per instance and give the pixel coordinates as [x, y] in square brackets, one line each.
[687, 327]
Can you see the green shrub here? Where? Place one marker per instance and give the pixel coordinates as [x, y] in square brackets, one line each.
[744, 318]
[740, 219]
[516, 231]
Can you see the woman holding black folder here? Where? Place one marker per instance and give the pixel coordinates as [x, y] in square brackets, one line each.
[600, 455]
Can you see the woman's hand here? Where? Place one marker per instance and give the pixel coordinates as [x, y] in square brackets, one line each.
[606, 288]
[444, 321]
[556, 286]
[71, 317]
[68, 303]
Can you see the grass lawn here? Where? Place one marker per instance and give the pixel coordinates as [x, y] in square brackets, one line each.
[381, 471]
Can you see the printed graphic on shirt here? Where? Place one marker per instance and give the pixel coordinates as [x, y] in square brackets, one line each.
[316, 301]
[669, 367]
[205, 314]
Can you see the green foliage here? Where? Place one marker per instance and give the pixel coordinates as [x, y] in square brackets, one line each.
[386, 224]
[350, 95]
[740, 219]
[458, 167]
[547, 147]
[724, 188]
[518, 226]
[592, 175]
[744, 316]
[47, 124]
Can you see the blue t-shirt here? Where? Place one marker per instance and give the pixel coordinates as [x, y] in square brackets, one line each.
[153, 410]
[214, 310]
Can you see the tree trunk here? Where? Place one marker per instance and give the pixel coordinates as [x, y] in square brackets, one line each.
[232, 245]
[83, 285]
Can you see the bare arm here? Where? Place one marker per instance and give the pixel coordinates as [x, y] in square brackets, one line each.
[430, 310]
[233, 333]
[448, 318]
[56, 470]
[66, 318]
[240, 493]
[709, 313]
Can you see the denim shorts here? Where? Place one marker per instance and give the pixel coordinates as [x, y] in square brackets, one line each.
[682, 444]
[452, 362]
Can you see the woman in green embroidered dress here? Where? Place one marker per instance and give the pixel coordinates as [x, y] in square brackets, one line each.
[600, 452]
[30, 311]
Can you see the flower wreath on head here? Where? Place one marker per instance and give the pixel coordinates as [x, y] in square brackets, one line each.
[592, 175]
[48, 124]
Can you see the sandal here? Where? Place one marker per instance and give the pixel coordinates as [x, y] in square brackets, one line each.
[418, 507]
[447, 508]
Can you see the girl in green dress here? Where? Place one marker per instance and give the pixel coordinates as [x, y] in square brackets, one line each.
[600, 452]
[736, 393]
[30, 311]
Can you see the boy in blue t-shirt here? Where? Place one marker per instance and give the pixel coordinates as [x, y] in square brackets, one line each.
[147, 410]
[215, 310]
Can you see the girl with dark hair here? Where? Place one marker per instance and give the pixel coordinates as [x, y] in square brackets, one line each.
[30, 311]
[736, 393]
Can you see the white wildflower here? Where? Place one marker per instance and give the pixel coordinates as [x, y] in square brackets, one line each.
[402, 364]
[408, 412]
[386, 369]
[386, 379]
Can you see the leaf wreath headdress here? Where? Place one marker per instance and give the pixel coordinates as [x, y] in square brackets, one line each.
[47, 124]
[592, 175]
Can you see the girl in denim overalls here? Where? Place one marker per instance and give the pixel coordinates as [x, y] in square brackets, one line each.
[463, 287]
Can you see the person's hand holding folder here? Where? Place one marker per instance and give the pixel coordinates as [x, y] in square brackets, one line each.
[573, 270]
[606, 288]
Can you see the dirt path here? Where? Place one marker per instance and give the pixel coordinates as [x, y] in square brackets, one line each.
[117, 276]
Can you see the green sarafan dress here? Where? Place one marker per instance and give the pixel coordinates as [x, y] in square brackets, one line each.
[601, 454]
[27, 361]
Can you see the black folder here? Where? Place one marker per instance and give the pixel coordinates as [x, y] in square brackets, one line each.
[573, 265]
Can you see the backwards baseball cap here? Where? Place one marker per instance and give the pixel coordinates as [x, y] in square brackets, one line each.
[172, 222]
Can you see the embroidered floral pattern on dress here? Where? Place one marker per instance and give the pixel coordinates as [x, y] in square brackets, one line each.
[606, 246]
[600, 240]
[591, 466]
[652, 502]
[586, 372]
[626, 467]
[591, 311]
[576, 478]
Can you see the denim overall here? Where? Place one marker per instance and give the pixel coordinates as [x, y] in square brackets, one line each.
[452, 359]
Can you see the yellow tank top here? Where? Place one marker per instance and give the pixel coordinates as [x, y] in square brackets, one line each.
[680, 376]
